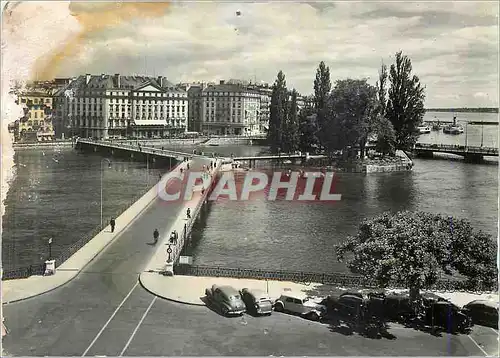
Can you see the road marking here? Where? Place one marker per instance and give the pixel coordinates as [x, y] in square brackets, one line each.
[137, 327]
[478, 346]
[109, 320]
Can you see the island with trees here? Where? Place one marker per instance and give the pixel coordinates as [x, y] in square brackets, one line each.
[355, 124]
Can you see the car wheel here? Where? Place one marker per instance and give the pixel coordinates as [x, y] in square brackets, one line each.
[279, 307]
[313, 316]
[224, 311]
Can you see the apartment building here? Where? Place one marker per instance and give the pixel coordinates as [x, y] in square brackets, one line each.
[230, 109]
[37, 122]
[116, 106]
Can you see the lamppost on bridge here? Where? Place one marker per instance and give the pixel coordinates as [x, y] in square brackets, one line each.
[109, 166]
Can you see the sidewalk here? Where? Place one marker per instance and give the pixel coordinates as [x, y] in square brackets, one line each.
[191, 289]
[158, 262]
[20, 289]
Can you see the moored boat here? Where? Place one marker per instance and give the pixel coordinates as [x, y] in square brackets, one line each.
[453, 128]
[424, 129]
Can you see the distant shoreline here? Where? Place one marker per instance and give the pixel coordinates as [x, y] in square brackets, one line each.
[463, 110]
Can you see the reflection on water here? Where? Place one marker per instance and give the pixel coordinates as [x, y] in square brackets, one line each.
[301, 236]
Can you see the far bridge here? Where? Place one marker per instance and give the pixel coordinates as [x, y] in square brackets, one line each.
[470, 153]
[278, 157]
[138, 151]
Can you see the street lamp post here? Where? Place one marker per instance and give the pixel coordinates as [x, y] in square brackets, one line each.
[50, 248]
[482, 134]
[109, 166]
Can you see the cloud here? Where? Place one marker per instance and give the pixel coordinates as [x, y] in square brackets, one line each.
[453, 45]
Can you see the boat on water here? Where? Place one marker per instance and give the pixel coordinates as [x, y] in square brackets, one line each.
[424, 129]
[453, 128]
[436, 126]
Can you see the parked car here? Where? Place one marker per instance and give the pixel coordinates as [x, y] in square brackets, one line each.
[482, 312]
[226, 299]
[348, 305]
[446, 315]
[397, 307]
[257, 302]
[300, 304]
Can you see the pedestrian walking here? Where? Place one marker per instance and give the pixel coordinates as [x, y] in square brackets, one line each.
[156, 235]
[112, 223]
[188, 166]
[189, 213]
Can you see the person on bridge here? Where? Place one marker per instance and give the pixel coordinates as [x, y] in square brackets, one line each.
[112, 224]
[156, 235]
[187, 166]
[189, 213]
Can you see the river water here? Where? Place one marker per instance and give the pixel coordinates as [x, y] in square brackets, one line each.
[56, 193]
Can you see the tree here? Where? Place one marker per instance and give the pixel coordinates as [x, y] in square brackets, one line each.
[322, 89]
[291, 128]
[414, 249]
[405, 106]
[386, 137]
[353, 108]
[307, 141]
[277, 112]
[382, 90]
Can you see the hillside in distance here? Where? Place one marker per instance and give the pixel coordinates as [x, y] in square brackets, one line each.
[469, 110]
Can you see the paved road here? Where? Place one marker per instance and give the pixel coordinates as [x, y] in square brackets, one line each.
[105, 312]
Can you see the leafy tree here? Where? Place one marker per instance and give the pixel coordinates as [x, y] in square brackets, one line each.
[386, 137]
[382, 90]
[353, 107]
[290, 133]
[322, 90]
[279, 97]
[405, 106]
[414, 249]
[307, 141]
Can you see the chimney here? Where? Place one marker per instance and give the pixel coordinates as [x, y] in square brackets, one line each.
[160, 81]
[87, 78]
[117, 78]
[222, 82]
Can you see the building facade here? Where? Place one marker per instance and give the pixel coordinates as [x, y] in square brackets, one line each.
[37, 122]
[195, 100]
[230, 109]
[116, 106]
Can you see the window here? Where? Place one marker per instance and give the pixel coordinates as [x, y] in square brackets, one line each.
[289, 299]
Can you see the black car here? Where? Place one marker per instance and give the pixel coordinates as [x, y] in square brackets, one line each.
[482, 312]
[348, 304]
[448, 316]
[226, 299]
[397, 307]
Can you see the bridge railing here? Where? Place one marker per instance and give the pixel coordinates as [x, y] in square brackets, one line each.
[188, 227]
[67, 252]
[457, 148]
[142, 149]
[334, 278]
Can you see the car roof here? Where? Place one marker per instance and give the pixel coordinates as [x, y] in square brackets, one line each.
[255, 292]
[298, 295]
[228, 290]
[483, 302]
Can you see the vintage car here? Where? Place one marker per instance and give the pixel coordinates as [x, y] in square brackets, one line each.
[257, 302]
[226, 300]
[448, 316]
[482, 312]
[300, 304]
[348, 305]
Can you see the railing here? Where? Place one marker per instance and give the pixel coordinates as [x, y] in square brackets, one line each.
[66, 253]
[457, 148]
[335, 278]
[194, 214]
[141, 149]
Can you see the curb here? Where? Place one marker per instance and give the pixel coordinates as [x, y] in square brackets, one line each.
[168, 298]
[93, 258]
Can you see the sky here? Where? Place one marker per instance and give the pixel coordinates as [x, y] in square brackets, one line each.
[453, 45]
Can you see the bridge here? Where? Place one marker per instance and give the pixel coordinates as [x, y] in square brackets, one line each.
[281, 157]
[470, 153]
